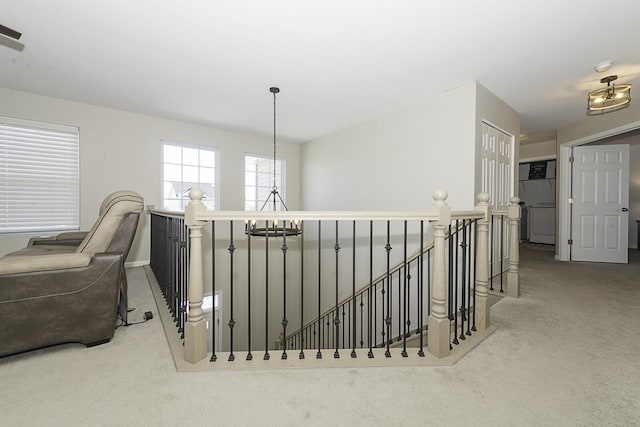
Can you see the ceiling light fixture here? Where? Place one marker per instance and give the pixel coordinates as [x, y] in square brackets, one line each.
[610, 98]
[274, 229]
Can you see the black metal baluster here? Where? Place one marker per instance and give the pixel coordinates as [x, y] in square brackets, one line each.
[450, 270]
[455, 287]
[421, 291]
[179, 270]
[266, 356]
[475, 266]
[469, 283]
[175, 306]
[171, 266]
[284, 322]
[491, 239]
[362, 318]
[383, 317]
[408, 305]
[353, 296]
[501, 252]
[302, 341]
[464, 279]
[316, 334]
[179, 282]
[186, 280]
[170, 298]
[428, 283]
[232, 321]
[176, 272]
[450, 294]
[321, 325]
[214, 323]
[172, 272]
[372, 294]
[183, 271]
[249, 355]
[336, 319]
[400, 299]
[344, 324]
[388, 248]
[405, 296]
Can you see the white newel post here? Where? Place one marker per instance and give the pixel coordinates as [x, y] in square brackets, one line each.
[482, 263]
[439, 334]
[195, 331]
[513, 283]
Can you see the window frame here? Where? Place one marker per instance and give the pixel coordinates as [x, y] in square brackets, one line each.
[182, 146]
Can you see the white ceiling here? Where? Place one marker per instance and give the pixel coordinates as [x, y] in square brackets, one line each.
[337, 62]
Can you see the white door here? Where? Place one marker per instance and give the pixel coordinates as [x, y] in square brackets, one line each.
[496, 168]
[599, 220]
[497, 179]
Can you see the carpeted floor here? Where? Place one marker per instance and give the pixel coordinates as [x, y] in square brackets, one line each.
[567, 353]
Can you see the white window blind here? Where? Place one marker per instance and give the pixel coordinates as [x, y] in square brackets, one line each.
[39, 177]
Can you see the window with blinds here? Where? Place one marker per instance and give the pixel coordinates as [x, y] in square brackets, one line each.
[39, 177]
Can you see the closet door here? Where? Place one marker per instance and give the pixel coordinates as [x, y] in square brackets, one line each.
[497, 180]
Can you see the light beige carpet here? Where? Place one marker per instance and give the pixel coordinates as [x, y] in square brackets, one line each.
[565, 354]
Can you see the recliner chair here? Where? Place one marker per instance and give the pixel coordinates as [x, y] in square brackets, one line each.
[54, 291]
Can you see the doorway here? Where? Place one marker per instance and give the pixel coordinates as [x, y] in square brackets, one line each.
[564, 182]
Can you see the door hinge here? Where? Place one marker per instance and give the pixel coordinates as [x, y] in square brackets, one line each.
[570, 241]
[571, 159]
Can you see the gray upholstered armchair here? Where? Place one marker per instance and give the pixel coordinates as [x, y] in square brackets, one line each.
[54, 291]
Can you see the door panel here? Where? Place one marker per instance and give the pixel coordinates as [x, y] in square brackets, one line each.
[497, 179]
[600, 192]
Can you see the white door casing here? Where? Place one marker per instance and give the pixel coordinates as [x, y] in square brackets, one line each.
[600, 193]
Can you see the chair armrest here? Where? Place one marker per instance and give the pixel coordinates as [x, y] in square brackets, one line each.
[71, 238]
[33, 263]
[72, 235]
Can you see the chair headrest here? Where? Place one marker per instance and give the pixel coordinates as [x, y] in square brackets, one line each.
[116, 195]
[115, 207]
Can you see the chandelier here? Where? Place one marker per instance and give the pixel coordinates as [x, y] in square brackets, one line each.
[610, 98]
[273, 228]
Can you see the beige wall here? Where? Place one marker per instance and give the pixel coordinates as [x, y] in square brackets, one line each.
[538, 151]
[593, 125]
[396, 162]
[121, 150]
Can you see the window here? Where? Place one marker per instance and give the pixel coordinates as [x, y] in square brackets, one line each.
[258, 182]
[39, 177]
[185, 168]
